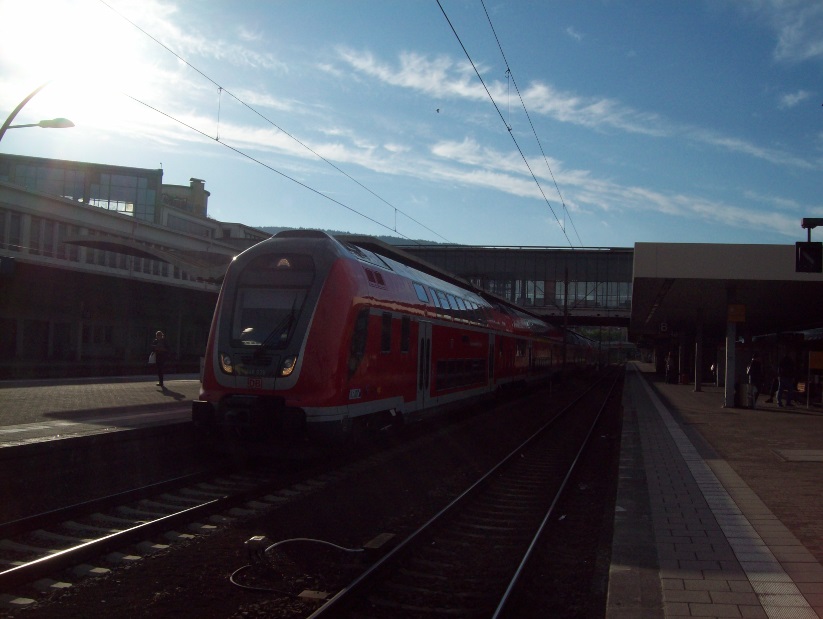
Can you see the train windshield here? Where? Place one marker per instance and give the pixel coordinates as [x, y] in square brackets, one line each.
[270, 295]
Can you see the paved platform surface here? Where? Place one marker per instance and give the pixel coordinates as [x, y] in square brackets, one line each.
[719, 510]
[38, 410]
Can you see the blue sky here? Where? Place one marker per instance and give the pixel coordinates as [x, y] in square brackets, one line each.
[600, 123]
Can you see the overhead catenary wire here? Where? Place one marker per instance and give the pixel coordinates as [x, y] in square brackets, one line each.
[221, 90]
[508, 128]
[509, 74]
[267, 166]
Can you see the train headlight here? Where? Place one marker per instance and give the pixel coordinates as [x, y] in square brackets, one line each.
[287, 367]
[225, 363]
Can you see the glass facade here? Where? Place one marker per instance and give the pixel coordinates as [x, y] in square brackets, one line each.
[124, 193]
[549, 278]
[131, 192]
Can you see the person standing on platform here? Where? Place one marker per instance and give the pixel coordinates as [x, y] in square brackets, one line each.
[755, 372]
[785, 380]
[669, 368]
[161, 352]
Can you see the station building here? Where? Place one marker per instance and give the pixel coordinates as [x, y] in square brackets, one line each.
[94, 259]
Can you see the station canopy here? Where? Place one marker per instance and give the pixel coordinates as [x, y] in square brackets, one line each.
[678, 286]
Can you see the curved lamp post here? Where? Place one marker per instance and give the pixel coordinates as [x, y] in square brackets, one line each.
[54, 123]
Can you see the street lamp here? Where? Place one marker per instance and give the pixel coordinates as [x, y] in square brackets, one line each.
[54, 123]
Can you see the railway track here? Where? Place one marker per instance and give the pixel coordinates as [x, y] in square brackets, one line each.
[44, 545]
[467, 560]
[50, 551]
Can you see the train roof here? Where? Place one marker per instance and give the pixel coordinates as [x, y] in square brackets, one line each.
[389, 251]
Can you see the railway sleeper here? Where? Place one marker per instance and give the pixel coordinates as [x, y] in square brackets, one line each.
[513, 525]
[26, 550]
[433, 608]
[448, 594]
[447, 565]
[140, 513]
[57, 537]
[514, 496]
[71, 525]
[153, 504]
[423, 576]
[182, 500]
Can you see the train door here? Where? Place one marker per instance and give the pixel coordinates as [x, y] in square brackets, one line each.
[491, 361]
[424, 364]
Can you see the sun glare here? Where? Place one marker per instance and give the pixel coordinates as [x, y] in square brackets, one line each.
[91, 54]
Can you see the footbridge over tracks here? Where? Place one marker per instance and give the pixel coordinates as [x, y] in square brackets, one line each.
[573, 287]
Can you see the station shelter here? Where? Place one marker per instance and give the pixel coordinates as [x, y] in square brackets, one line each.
[712, 306]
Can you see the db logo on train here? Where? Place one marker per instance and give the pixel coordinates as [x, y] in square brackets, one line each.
[255, 383]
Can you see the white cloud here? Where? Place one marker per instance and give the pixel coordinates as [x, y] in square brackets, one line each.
[443, 78]
[789, 100]
[743, 147]
[797, 24]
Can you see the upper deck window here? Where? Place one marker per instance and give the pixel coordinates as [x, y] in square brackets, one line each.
[421, 292]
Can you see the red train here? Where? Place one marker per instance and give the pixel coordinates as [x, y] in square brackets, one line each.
[327, 337]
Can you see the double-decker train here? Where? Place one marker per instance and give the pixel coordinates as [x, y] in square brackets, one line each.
[327, 337]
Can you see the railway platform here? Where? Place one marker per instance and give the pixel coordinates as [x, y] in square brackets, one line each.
[719, 510]
[38, 411]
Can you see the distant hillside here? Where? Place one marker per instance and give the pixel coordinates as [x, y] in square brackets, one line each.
[390, 240]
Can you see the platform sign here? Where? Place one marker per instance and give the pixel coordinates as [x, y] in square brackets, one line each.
[808, 257]
[736, 313]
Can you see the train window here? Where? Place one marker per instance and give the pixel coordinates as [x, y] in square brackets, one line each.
[385, 334]
[265, 316]
[452, 302]
[435, 300]
[405, 334]
[472, 307]
[421, 292]
[455, 373]
[444, 302]
[463, 310]
[358, 340]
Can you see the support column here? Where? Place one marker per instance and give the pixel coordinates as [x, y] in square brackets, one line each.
[698, 353]
[735, 313]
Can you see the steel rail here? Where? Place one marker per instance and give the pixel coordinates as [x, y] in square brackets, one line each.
[52, 563]
[341, 601]
[502, 607]
[61, 514]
